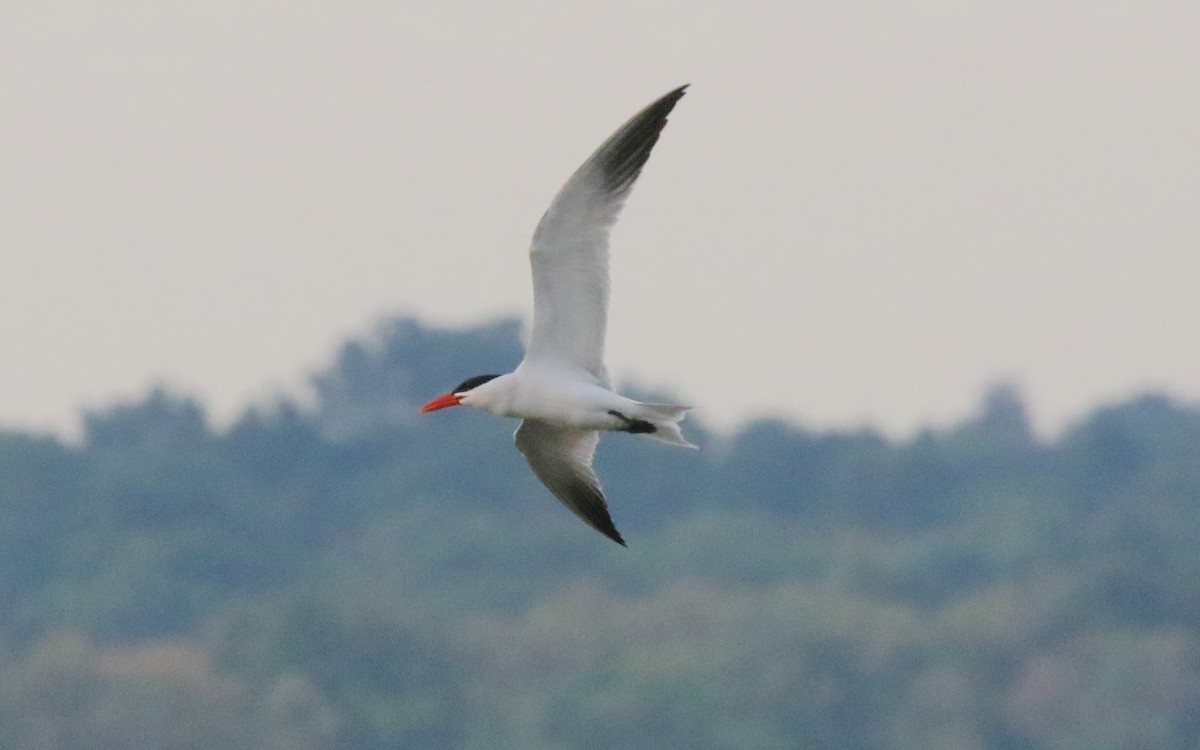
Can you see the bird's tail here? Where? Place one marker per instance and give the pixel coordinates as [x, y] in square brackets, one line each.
[666, 418]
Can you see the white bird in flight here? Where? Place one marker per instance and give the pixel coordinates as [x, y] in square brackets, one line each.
[561, 391]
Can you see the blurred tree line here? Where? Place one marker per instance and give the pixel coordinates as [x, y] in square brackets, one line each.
[344, 574]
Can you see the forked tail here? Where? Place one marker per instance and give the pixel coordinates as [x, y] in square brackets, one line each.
[666, 418]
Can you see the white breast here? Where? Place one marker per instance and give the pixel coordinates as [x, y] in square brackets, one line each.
[550, 396]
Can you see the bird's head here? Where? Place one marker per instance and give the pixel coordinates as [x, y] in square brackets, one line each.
[458, 393]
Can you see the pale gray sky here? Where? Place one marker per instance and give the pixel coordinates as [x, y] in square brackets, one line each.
[862, 212]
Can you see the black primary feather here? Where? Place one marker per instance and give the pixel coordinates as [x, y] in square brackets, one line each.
[620, 159]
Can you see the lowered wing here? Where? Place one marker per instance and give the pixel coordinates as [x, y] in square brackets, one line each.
[561, 458]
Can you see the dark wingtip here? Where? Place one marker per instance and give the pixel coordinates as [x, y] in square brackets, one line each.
[605, 526]
[622, 157]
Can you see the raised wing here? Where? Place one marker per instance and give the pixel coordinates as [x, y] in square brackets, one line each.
[562, 459]
[569, 254]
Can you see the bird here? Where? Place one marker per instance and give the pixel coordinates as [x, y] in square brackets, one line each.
[561, 390]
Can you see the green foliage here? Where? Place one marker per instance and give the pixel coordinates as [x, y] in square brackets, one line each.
[347, 574]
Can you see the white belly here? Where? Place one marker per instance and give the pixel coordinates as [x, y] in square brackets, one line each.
[568, 403]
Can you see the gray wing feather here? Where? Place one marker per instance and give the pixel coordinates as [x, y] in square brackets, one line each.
[569, 253]
[562, 459]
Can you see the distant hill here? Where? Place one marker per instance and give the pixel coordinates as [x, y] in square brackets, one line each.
[348, 575]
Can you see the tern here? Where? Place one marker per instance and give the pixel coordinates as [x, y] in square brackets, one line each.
[561, 391]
